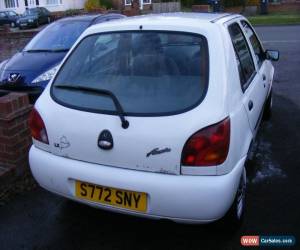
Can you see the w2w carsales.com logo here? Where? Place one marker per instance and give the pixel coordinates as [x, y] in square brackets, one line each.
[257, 241]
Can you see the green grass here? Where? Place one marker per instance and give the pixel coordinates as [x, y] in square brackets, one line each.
[275, 19]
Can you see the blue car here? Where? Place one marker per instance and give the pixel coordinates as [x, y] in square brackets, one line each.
[9, 17]
[31, 69]
[34, 17]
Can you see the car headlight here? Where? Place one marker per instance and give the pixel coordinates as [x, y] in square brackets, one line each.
[46, 76]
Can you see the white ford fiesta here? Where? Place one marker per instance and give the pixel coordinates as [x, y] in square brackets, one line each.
[154, 116]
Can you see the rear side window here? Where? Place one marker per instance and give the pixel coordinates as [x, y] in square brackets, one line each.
[255, 43]
[12, 13]
[150, 72]
[243, 55]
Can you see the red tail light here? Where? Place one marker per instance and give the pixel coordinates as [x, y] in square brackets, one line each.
[37, 127]
[207, 147]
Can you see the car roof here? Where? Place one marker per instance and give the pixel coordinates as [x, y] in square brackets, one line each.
[87, 18]
[175, 21]
[202, 17]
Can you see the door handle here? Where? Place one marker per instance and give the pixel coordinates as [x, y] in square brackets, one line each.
[250, 105]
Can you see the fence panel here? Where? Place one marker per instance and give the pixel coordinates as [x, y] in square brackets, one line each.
[166, 7]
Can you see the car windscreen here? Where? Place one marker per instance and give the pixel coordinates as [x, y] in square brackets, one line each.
[30, 12]
[57, 36]
[150, 72]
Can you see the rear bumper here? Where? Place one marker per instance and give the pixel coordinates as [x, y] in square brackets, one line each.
[189, 199]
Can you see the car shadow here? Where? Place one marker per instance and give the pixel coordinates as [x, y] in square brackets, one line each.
[124, 232]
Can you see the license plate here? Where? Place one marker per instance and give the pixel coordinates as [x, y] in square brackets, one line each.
[23, 24]
[131, 200]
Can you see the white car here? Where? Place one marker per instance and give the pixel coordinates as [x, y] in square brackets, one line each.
[154, 116]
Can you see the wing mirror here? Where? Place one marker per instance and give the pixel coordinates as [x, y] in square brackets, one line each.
[272, 55]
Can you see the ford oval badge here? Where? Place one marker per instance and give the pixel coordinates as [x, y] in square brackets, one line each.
[105, 140]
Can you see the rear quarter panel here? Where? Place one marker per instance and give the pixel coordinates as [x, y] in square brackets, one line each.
[240, 134]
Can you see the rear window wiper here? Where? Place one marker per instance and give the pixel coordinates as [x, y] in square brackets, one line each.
[60, 50]
[38, 50]
[120, 111]
[46, 50]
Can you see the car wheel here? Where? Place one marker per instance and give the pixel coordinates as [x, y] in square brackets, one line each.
[268, 108]
[235, 215]
[12, 25]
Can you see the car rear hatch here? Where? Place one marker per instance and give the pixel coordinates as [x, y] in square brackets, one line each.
[153, 80]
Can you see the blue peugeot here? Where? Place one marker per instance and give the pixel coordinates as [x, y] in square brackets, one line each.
[31, 69]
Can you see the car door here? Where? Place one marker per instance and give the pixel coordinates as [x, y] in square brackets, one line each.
[13, 16]
[251, 82]
[3, 18]
[40, 16]
[43, 15]
[264, 67]
[46, 14]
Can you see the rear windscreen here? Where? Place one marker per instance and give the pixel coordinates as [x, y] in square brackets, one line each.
[149, 72]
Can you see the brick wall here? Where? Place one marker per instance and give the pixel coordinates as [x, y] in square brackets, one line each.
[284, 7]
[15, 138]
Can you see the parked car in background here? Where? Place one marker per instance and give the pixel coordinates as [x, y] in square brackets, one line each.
[31, 69]
[34, 18]
[154, 116]
[9, 17]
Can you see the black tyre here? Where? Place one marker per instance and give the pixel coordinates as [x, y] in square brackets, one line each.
[235, 215]
[268, 108]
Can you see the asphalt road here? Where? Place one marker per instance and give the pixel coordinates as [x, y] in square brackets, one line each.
[41, 220]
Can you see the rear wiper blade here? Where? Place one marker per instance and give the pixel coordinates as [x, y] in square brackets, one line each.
[38, 50]
[46, 50]
[120, 111]
[60, 50]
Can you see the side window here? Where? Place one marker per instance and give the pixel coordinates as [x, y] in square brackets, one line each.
[258, 50]
[243, 55]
